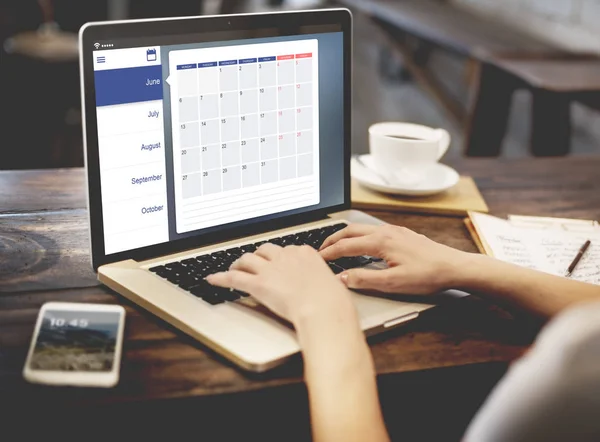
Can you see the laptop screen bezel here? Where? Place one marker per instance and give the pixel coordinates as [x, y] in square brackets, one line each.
[287, 22]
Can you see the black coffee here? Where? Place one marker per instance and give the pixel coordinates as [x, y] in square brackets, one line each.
[404, 137]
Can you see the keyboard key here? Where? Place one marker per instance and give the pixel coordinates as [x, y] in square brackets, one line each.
[221, 267]
[219, 255]
[352, 262]
[213, 299]
[188, 262]
[235, 253]
[163, 273]
[175, 266]
[200, 289]
[326, 232]
[173, 277]
[156, 269]
[318, 242]
[188, 282]
[340, 226]
[208, 293]
[276, 241]
[229, 295]
[302, 236]
[230, 260]
[336, 269]
[313, 239]
[298, 240]
[345, 263]
[206, 271]
[194, 266]
[288, 240]
[363, 260]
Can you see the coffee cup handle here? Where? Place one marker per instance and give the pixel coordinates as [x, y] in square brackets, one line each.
[444, 143]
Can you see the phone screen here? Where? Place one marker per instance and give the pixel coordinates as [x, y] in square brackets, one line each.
[71, 340]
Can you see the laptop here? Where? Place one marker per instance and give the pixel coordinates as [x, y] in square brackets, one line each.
[206, 137]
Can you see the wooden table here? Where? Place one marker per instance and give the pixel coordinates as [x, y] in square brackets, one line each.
[439, 367]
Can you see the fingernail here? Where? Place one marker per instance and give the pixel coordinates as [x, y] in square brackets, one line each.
[344, 278]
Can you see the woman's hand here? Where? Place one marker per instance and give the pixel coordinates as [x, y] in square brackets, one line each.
[294, 282]
[298, 285]
[417, 265]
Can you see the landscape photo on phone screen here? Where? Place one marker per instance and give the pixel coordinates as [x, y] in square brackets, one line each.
[71, 340]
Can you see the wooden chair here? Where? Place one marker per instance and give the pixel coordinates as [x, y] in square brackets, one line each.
[554, 84]
[439, 25]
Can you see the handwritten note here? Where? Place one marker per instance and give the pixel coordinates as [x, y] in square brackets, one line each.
[549, 250]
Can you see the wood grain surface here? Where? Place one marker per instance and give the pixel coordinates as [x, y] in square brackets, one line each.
[42, 249]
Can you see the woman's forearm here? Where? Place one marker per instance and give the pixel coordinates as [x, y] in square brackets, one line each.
[341, 380]
[537, 292]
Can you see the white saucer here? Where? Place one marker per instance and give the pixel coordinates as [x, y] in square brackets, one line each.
[438, 178]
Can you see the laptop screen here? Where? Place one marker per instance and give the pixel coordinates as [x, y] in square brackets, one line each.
[201, 135]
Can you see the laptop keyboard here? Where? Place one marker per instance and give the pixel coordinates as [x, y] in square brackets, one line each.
[189, 273]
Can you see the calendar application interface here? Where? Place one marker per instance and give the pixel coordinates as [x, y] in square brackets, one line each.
[198, 137]
[245, 122]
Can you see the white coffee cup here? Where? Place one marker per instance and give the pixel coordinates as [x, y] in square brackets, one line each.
[403, 152]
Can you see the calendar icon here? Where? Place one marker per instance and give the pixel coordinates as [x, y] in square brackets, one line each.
[151, 55]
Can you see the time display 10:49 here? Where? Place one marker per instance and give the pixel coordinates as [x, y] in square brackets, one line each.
[60, 322]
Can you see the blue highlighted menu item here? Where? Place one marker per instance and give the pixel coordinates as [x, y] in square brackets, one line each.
[129, 85]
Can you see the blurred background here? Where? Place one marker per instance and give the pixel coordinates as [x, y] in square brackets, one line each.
[505, 77]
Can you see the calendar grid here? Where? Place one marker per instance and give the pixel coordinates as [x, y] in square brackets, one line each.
[286, 84]
[258, 98]
[295, 134]
[200, 162]
[278, 136]
[230, 117]
[261, 108]
[219, 121]
[240, 123]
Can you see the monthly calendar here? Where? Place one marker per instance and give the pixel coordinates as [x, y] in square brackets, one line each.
[245, 131]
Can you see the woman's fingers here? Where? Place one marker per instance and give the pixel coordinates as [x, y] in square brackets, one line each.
[363, 245]
[381, 280]
[249, 262]
[235, 279]
[352, 231]
[269, 251]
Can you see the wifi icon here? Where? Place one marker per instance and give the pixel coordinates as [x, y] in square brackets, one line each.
[96, 45]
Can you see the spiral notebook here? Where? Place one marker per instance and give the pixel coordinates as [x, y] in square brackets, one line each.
[545, 244]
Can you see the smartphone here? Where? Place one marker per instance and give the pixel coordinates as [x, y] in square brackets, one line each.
[76, 344]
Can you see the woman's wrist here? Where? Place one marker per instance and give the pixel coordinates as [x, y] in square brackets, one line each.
[475, 272]
[318, 313]
[329, 332]
[466, 270]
